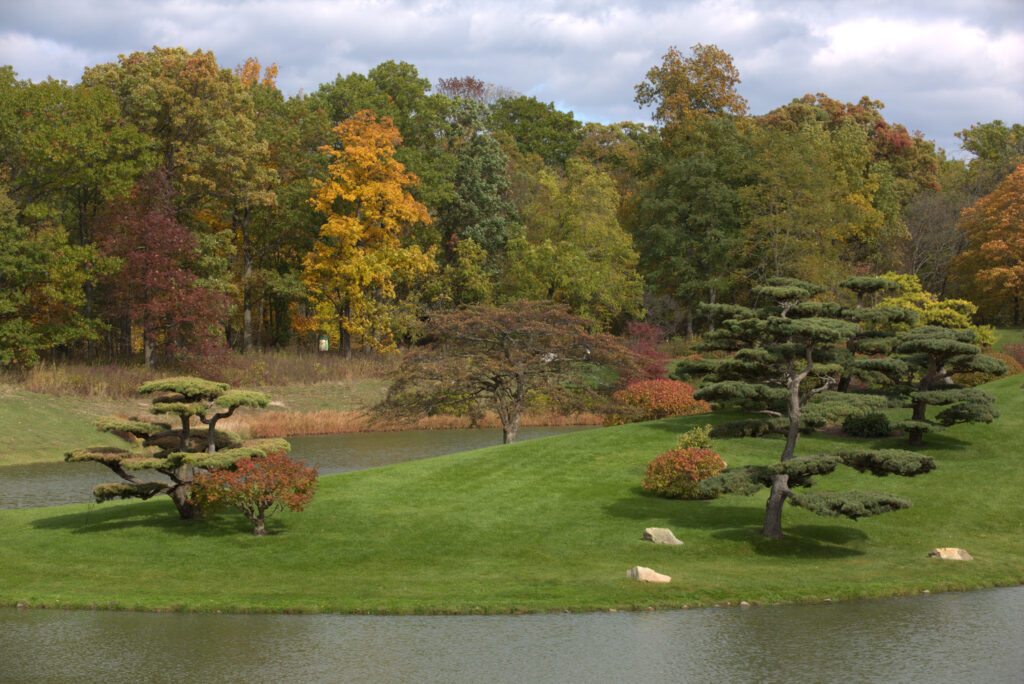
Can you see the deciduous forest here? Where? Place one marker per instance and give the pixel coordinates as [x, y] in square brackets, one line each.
[166, 208]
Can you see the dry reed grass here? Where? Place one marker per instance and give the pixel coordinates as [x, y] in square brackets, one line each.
[293, 423]
[277, 368]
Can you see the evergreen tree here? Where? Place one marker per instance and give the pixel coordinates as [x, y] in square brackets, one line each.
[784, 354]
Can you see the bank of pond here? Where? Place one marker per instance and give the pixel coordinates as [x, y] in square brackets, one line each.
[538, 526]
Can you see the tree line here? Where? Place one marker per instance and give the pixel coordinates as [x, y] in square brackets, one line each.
[166, 207]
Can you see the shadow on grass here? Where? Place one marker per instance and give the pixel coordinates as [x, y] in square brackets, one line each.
[742, 524]
[154, 515]
[800, 541]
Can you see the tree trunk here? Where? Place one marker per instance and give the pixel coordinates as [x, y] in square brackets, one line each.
[916, 437]
[510, 428]
[773, 509]
[247, 305]
[259, 527]
[186, 511]
[345, 339]
[148, 353]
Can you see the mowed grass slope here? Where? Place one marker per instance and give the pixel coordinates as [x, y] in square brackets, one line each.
[544, 525]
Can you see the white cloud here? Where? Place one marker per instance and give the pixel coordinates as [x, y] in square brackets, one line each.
[938, 67]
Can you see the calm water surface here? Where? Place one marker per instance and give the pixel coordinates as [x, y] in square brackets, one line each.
[969, 637]
[56, 484]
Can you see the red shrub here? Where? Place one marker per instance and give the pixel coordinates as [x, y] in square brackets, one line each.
[258, 487]
[675, 474]
[653, 399]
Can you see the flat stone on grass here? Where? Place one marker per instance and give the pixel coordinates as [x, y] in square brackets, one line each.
[642, 574]
[661, 535]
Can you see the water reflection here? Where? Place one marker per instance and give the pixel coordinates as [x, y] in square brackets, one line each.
[56, 484]
[972, 637]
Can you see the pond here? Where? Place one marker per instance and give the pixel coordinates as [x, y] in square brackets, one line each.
[55, 484]
[968, 637]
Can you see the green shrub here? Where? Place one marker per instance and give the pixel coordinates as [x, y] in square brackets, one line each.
[867, 425]
[698, 437]
[676, 474]
[752, 427]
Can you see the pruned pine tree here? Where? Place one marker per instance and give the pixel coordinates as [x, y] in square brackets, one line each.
[176, 452]
[921, 371]
[876, 335]
[783, 354]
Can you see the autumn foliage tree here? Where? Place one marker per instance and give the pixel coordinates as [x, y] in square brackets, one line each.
[503, 359]
[156, 288]
[993, 263]
[359, 258]
[258, 486]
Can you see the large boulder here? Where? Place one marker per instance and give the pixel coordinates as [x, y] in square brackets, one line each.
[641, 574]
[950, 553]
[661, 535]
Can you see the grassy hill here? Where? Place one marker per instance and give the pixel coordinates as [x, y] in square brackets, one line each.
[545, 525]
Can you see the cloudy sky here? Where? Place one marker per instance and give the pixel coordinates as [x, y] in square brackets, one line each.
[939, 66]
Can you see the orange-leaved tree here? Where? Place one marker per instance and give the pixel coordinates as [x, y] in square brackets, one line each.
[994, 259]
[359, 258]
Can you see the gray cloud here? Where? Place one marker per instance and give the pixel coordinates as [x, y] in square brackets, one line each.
[939, 67]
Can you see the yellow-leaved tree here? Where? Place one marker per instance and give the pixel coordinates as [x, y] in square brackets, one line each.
[359, 258]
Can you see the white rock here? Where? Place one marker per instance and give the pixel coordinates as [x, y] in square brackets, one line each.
[642, 574]
[661, 535]
[950, 553]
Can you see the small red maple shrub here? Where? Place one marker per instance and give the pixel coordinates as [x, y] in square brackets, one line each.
[258, 487]
[676, 474]
[643, 339]
[654, 399]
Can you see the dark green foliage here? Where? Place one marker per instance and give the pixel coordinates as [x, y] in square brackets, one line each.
[863, 285]
[742, 393]
[537, 128]
[834, 407]
[867, 425]
[934, 354]
[743, 428]
[852, 504]
[786, 356]
[745, 481]
[882, 462]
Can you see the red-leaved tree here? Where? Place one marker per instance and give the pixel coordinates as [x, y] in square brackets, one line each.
[643, 339]
[155, 289]
[258, 487]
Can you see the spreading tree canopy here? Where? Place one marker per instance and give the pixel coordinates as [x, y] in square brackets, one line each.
[783, 354]
[504, 359]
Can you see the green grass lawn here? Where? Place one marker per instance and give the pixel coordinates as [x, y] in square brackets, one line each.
[544, 525]
[40, 427]
[1008, 336]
